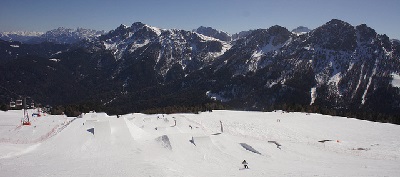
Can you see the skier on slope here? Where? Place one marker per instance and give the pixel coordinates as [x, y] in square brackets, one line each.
[245, 164]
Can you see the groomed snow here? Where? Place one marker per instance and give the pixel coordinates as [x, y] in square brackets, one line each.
[273, 144]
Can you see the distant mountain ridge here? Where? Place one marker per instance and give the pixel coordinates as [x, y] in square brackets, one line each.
[60, 35]
[301, 30]
[21, 36]
[208, 31]
[336, 67]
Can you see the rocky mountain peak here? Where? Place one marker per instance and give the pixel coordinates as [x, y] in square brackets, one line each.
[211, 32]
[301, 30]
[241, 34]
[122, 27]
[365, 33]
[136, 26]
[276, 30]
[336, 22]
[335, 35]
[281, 34]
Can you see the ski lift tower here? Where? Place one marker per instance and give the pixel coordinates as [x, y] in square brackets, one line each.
[25, 119]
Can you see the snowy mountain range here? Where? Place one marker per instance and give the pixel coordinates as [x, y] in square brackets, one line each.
[60, 35]
[340, 65]
[190, 51]
[336, 66]
[21, 36]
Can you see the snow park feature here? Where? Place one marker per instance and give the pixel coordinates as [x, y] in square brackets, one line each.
[96, 144]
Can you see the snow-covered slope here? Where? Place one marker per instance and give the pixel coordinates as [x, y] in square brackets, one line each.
[273, 144]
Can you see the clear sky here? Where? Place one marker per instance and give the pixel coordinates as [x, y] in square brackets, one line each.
[228, 15]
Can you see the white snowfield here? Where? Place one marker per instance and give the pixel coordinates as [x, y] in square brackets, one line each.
[273, 144]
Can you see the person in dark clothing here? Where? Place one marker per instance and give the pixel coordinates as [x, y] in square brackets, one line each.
[245, 164]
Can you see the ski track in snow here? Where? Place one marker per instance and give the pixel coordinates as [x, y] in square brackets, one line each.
[273, 143]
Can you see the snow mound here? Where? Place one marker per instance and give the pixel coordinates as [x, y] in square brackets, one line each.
[164, 140]
[249, 148]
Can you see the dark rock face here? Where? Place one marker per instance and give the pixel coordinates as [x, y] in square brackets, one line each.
[335, 35]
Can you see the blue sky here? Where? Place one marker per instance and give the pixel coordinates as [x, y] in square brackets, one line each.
[228, 15]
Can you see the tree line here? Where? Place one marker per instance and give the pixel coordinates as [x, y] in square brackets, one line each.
[74, 110]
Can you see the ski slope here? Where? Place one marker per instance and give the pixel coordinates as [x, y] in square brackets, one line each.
[273, 144]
